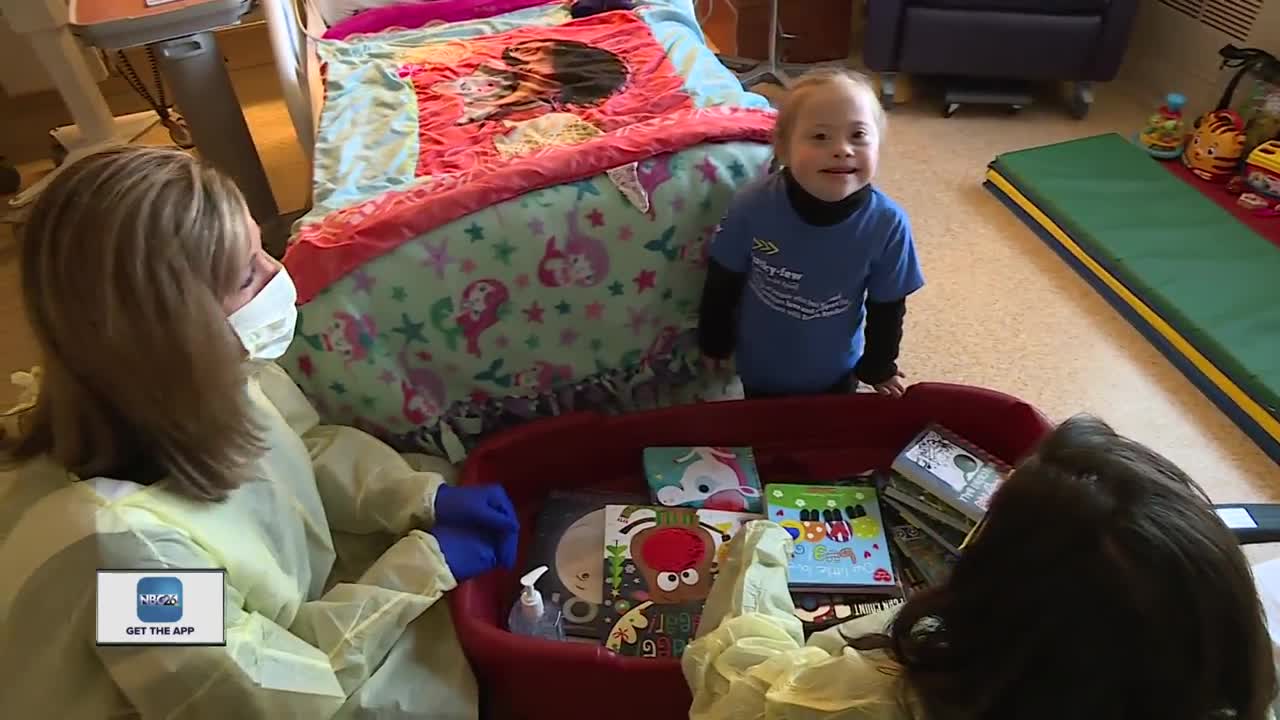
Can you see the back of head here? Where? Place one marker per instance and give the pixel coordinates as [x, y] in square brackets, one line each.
[125, 260]
[1101, 585]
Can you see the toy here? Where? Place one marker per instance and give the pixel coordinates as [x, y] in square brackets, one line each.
[1214, 151]
[1259, 107]
[1259, 183]
[1163, 136]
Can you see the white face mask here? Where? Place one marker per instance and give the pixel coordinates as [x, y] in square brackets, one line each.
[265, 324]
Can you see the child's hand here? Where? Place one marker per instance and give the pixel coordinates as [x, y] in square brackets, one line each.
[892, 387]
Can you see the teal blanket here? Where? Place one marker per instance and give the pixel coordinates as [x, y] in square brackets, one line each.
[459, 331]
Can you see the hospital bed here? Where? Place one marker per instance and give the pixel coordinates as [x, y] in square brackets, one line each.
[468, 264]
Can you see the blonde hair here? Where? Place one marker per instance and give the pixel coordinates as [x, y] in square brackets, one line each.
[125, 260]
[813, 81]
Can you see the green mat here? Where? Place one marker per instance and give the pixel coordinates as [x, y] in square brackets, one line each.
[1210, 277]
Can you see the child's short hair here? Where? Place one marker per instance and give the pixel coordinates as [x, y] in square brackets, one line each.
[1101, 585]
[815, 80]
[125, 261]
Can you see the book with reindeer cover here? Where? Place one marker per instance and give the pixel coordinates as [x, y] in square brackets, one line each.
[840, 540]
[716, 478]
[659, 563]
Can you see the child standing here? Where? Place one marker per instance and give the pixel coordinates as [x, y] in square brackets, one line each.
[807, 254]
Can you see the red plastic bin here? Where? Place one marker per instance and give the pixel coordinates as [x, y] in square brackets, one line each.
[799, 439]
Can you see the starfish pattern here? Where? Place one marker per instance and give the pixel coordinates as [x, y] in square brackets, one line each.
[438, 257]
[399, 294]
[616, 288]
[564, 308]
[502, 252]
[522, 281]
[502, 342]
[306, 365]
[585, 187]
[386, 377]
[338, 388]
[367, 400]
[468, 266]
[737, 170]
[568, 336]
[708, 170]
[532, 342]
[533, 313]
[475, 232]
[412, 331]
[644, 280]
[595, 311]
[596, 217]
[537, 227]
[677, 204]
[596, 345]
[363, 281]
[625, 234]
[666, 294]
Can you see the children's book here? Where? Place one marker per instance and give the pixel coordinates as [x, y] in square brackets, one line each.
[907, 493]
[819, 612]
[659, 563]
[567, 537]
[952, 469]
[924, 553]
[715, 478]
[840, 543]
[948, 537]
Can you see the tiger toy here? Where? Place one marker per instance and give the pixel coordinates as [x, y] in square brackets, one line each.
[1214, 150]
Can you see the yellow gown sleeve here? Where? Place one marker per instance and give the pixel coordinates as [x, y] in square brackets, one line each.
[750, 659]
[266, 670]
[365, 485]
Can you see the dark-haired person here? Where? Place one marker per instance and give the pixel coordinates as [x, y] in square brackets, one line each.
[1101, 585]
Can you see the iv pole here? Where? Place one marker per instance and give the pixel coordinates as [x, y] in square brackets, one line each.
[45, 24]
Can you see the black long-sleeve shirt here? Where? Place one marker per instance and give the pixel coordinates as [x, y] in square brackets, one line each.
[722, 292]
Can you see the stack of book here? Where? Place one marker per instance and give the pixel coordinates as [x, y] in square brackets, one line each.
[937, 492]
[632, 571]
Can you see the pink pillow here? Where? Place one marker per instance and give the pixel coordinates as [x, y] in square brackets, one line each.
[419, 14]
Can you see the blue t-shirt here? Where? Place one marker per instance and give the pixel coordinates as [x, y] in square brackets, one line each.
[801, 316]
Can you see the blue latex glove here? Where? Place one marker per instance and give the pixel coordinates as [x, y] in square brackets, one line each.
[482, 507]
[471, 551]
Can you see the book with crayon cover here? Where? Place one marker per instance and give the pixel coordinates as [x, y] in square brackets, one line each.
[716, 478]
[840, 542]
[952, 469]
[659, 564]
[567, 536]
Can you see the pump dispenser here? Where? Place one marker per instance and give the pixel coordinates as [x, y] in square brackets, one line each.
[530, 615]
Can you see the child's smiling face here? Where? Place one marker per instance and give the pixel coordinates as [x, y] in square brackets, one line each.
[834, 146]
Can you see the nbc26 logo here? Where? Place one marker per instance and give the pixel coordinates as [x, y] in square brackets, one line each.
[159, 599]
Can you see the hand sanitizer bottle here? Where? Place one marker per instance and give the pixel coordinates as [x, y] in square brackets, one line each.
[530, 615]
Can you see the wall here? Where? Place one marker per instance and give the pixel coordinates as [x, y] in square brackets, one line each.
[1170, 52]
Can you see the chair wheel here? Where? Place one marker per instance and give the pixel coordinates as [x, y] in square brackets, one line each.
[888, 87]
[1081, 100]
